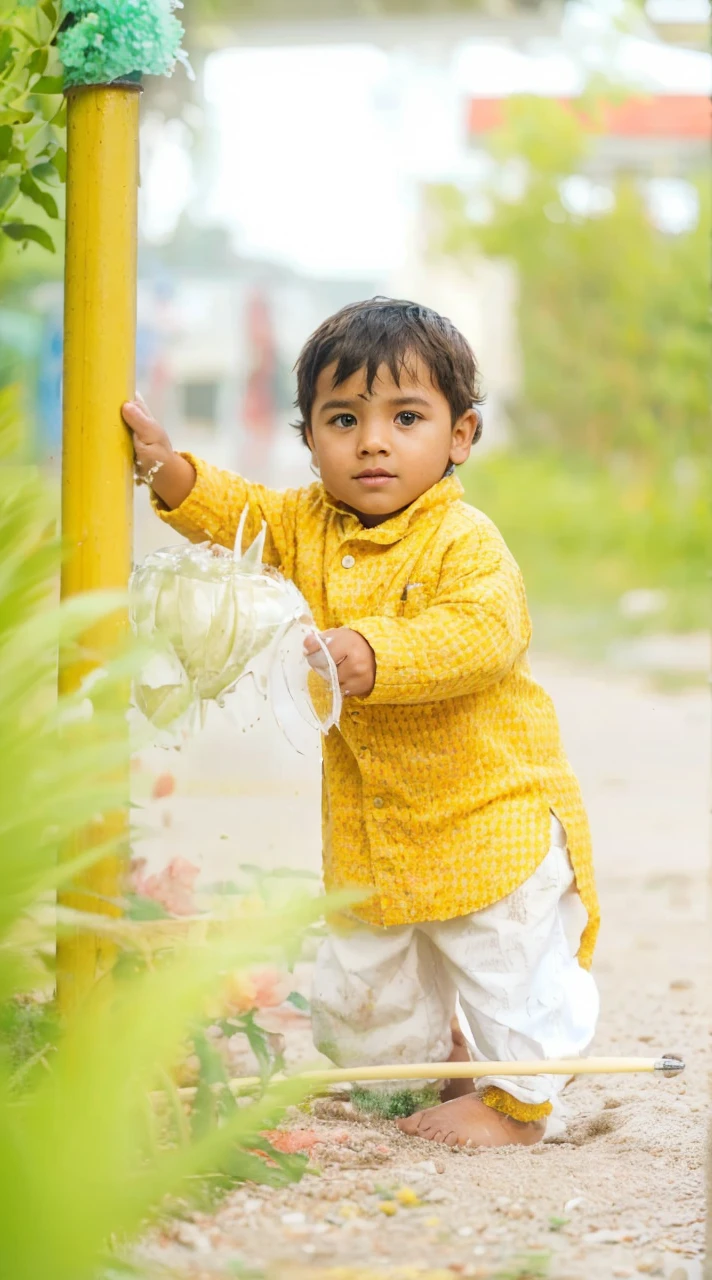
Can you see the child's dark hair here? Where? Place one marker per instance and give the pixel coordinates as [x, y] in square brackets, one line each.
[365, 335]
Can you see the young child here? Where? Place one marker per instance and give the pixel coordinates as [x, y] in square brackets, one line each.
[447, 797]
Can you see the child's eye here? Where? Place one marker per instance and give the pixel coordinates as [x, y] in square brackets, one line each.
[407, 417]
[344, 420]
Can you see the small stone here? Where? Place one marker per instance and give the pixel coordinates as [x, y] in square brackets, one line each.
[575, 1203]
[428, 1167]
[603, 1237]
[651, 1264]
[439, 1166]
[464, 1231]
[680, 1273]
[622, 1273]
[293, 1219]
[437, 1195]
[189, 1235]
[681, 984]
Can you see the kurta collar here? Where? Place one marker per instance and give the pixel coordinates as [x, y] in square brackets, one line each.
[446, 491]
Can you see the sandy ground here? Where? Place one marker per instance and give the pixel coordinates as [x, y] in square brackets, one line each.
[620, 1192]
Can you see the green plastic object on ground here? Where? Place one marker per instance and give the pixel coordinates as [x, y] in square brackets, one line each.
[107, 40]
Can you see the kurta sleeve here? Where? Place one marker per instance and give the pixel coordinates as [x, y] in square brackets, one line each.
[212, 511]
[470, 636]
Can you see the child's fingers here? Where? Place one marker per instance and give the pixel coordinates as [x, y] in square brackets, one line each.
[135, 417]
[145, 428]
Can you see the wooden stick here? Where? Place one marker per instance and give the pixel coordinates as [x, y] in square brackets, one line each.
[464, 1071]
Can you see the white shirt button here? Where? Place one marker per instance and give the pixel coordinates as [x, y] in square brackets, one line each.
[348, 562]
[377, 803]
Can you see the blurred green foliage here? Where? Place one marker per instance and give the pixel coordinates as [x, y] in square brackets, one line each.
[585, 535]
[605, 485]
[86, 1157]
[32, 172]
[33, 157]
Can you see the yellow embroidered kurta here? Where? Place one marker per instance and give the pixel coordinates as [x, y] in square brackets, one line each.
[438, 786]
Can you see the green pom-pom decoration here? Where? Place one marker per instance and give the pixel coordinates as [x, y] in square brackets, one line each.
[396, 1104]
[106, 40]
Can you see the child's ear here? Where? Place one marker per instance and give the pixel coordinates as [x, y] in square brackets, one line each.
[466, 432]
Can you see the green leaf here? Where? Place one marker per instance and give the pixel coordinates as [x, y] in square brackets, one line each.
[49, 85]
[15, 115]
[9, 188]
[30, 188]
[24, 231]
[6, 49]
[298, 1001]
[39, 143]
[140, 908]
[59, 160]
[37, 63]
[6, 136]
[45, 171]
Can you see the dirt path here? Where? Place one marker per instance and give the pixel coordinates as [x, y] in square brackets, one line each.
[620, 1193]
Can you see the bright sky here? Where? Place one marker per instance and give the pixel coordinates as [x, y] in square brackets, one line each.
[318, 151]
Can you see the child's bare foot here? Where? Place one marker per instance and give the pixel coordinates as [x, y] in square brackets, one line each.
[467, 1121]
[460, 1053]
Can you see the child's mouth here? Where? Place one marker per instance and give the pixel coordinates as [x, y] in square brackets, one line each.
[374, 479]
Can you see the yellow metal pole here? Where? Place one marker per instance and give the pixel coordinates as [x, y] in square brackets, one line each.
[97, 485]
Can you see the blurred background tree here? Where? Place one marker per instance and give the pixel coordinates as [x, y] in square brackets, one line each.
[612, 310]
[605, 490]
[33, 162]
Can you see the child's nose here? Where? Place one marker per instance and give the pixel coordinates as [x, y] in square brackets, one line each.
[374, 438]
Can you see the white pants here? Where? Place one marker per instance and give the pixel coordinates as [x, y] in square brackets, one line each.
[383, 996]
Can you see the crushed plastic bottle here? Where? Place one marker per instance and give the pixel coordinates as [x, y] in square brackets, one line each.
[214, 618]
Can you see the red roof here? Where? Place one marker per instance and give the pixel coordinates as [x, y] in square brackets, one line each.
[669, 116]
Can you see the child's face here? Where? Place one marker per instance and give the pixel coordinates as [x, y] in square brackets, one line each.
[377, 453]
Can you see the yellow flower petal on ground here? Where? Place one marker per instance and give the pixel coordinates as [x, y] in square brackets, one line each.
[408, 1197]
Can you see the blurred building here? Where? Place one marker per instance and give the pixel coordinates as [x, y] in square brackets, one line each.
[663, 135]
[218, 338]
[682, 22]
[220, 324]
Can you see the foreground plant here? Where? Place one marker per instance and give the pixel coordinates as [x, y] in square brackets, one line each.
[86, 1155]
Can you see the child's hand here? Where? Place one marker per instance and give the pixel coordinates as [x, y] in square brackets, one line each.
[169, 474]
[354, 658]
